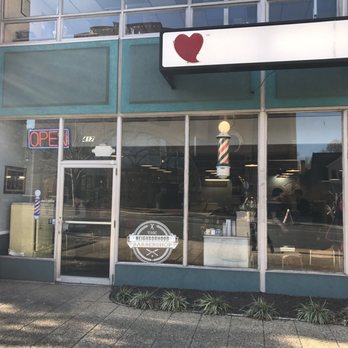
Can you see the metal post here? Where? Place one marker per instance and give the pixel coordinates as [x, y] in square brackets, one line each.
[186, 189]
[344, 188]
[262, 186]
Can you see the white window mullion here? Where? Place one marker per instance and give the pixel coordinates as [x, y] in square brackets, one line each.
[186, 189]
[262, 185]
[345, 189]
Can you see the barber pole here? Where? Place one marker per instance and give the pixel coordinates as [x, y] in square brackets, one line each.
[37, 204]
[223, 162]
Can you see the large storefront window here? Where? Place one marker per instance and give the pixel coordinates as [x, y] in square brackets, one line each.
[305, 192]
[29, 175]
[151, 216]
[223, 202]
[90, 139]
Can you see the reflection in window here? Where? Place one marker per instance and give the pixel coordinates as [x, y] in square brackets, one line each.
[83, 6]
[91, 27]
[223, 208]
[153, 22]
[34, 31]
[91, 139]
[152, 186]
[152, 3]
[305, 192]
[301, 9]
[213, 16]
[35, 168]
[29, 8]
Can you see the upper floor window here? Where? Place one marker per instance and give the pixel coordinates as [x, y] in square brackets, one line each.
[284, 10]
[214, 16]
[152, 3]
[30, 8]
[83, 6]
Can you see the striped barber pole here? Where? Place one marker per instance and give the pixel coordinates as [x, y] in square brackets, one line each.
[37, 204]
[223, 162]
[223, 154]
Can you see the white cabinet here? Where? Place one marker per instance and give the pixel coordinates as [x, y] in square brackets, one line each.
[226, 251]
[28, 238]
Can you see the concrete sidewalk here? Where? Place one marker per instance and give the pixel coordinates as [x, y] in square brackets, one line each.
[61, 315]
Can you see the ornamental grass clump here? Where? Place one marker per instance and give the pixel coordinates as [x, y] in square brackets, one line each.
[261, 310]
[315, 313]
[143, 300]
[212, 305]
[173, 301]
[343, 316]
[122, 295]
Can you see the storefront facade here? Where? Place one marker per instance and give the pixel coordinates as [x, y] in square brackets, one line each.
[112, 175]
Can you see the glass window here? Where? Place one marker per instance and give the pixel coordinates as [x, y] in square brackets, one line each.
[280, 10]
[153, 22]
[93, 139]
[29, 8]
[33, 31]
[223, 192]
[151, 217]
[29, 173]
[305, 192]
[153, 3]
[85, 6]
[91, 27]
[213, 16]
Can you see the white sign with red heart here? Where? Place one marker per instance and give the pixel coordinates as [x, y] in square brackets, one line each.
[257, 45]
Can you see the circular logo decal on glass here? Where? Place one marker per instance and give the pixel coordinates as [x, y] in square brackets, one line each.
[152, 241]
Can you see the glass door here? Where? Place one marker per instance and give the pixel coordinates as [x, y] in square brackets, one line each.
[86, 222]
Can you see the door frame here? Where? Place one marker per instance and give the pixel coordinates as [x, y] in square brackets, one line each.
[59, 221]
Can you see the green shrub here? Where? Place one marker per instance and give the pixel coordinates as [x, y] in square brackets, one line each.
[314, 313]
[122, 295]
[172, 301]
[211, 305]
[142, 300]
[261, 310]
[343, 316]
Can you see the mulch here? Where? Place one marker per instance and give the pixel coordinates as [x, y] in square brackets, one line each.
[286, 306]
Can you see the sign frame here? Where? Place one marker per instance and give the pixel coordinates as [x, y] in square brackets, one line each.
[169, 72]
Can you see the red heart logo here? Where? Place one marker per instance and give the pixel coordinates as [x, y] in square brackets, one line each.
[187, 47]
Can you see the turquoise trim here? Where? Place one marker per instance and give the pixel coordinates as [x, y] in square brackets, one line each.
[27, 269]
[110, 107]
[335, 96]
[203, 81]
[306, 284]
[187, 277]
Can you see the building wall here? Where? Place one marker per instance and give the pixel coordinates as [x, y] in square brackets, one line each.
[82, 79]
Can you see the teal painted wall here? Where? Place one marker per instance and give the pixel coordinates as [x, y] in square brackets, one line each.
[71, 78]
[186, 278]
[320, 87]
[305, 284]
[26, 269]
[144, 89]
[81, 78]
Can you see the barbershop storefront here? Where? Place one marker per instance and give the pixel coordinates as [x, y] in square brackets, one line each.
[115, 171]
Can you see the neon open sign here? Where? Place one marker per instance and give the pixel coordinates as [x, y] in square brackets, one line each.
[46, 138]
